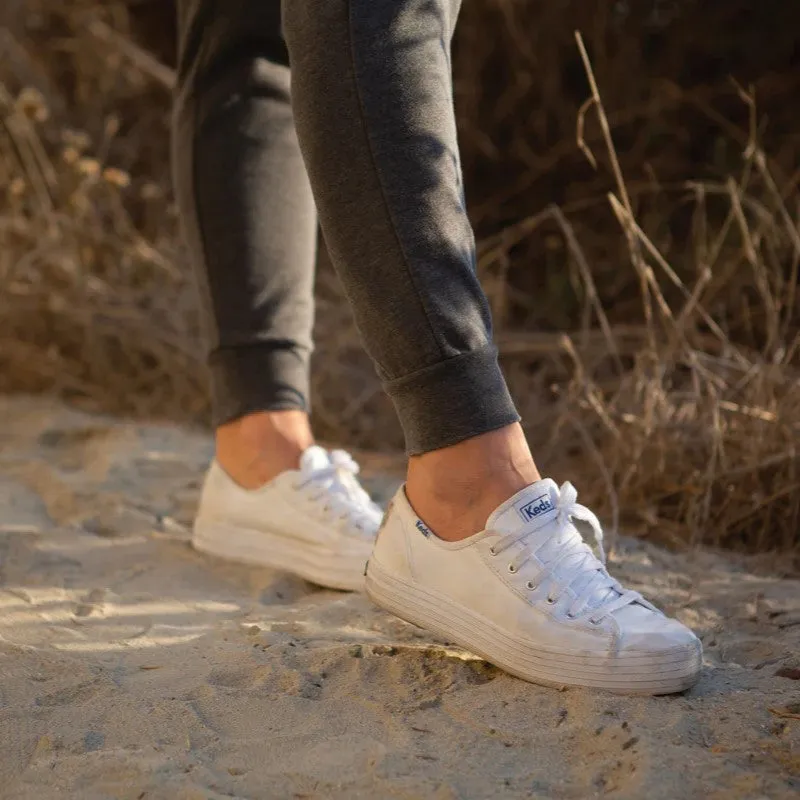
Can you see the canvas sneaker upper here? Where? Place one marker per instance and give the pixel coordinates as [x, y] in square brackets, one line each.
[328, 483]
[316, 521]
[529, 594]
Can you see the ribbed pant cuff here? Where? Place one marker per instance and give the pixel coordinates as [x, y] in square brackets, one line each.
[257, 377]
[453, 400]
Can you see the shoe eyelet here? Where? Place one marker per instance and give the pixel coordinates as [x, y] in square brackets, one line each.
[530, 585]
[550, 600]
[492, 551]
[570, 615]
[595, 622]
[512, 569]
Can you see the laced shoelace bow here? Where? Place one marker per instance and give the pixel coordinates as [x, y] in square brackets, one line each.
[342, 499]
[576, 555]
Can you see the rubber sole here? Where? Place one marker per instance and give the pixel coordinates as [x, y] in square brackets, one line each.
[264, 548]
[643, 673]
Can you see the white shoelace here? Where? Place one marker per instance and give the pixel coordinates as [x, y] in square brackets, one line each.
[579, 568]
[338, 494]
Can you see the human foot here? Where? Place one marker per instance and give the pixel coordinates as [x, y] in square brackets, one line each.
[456, 488]
[316, 521]
[258, 447]
[527, 594]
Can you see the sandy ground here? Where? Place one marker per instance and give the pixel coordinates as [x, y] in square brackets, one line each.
[132, 667]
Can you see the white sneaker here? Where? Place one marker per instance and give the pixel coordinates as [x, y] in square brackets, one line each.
[316, 521]
[528, 595]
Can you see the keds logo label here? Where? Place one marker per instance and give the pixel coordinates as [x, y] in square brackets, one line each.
[423, 528]
[535, 508]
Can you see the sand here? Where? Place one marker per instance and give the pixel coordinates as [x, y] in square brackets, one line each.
[132, 667]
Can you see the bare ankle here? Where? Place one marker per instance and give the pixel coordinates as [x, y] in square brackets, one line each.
[256, 448]
[454, 490]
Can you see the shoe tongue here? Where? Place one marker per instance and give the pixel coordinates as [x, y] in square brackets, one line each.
[531, 507]
[313, 458]
[340, 482]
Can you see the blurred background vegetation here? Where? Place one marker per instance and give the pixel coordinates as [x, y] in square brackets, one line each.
[645, 292]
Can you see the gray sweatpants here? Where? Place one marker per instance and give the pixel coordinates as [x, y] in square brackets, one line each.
[370, 122]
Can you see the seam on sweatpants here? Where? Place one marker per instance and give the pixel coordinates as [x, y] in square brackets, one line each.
[387, 207]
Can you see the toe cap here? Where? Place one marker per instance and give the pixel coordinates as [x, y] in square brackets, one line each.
[646, 631]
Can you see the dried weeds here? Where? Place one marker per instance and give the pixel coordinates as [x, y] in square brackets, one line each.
[661, 373]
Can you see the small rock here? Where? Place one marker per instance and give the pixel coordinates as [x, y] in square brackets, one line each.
[93, 740]
[630, 743]
[43, 747]
[792, 673]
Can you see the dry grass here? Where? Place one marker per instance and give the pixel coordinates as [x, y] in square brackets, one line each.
[661, 371]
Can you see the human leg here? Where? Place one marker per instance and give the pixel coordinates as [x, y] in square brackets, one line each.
[250, 222]
[374, 111]
[475, 547]
[270, 497]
